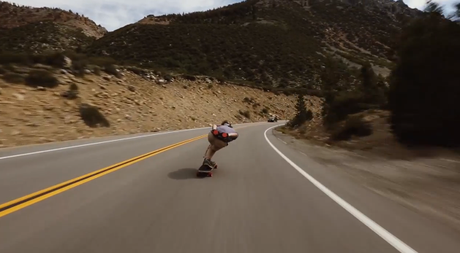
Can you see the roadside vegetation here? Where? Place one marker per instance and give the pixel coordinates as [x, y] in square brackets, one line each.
[424, 95]
[421, 95]
[279, 48]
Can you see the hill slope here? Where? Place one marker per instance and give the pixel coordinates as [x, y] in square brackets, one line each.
[36, 110]
[277, 43]
[34, 30]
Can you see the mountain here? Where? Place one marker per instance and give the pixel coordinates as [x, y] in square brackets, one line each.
[35, 30]
[281, 43]
[270, 43]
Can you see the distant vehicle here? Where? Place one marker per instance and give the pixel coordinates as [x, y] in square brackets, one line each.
[273, 119]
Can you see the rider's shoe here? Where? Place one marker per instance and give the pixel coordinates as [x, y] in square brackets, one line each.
[209, 163]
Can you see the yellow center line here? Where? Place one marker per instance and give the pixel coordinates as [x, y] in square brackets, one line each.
[22, 202]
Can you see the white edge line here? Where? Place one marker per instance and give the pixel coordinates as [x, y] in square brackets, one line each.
[281, 140]
[96, 143]
[384, 234]
[104, 142]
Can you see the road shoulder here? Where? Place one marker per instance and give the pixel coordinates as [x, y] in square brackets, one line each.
[428, 186]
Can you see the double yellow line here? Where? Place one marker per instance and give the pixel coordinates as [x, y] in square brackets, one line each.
[17, 204]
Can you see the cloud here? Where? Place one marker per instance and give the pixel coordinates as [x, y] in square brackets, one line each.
[420, 4]
[113, 14]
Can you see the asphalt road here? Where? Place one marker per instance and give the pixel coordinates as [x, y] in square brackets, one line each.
[264, 197]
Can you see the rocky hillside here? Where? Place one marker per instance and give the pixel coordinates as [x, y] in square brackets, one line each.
[35, 30]
[272, 43]
[277, 43]
[44, 104]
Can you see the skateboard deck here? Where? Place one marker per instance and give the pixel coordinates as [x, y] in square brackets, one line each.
[205, 170]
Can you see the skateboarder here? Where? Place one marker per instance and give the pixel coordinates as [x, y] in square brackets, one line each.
[218, 138]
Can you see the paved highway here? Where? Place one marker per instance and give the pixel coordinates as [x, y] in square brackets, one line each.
[140, 194]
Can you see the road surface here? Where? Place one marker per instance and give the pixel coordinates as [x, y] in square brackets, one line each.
[264, 197]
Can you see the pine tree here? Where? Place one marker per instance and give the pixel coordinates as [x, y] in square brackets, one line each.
[424, 91]
[303, 114]
[433, 7]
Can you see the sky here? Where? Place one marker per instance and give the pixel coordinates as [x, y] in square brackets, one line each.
[113, 14]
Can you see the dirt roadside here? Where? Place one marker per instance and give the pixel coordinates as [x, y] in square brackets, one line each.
[427, 184]
[130, 104]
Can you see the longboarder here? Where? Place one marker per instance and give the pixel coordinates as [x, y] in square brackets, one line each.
[218, 138]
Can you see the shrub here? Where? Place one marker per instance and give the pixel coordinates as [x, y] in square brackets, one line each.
[248, 100]
[13, 78]
[55, 59]
[137, 71]
[72, 93]
[79, 66]
[340, 104]
[168, 77]
[302, 129]
[73, 87]
[92, 117]
[41, 78]
[246, 114]
[370, 94]
[302, 114]
[112, 70]
[189, 77]
[354, 125]
[14, 58]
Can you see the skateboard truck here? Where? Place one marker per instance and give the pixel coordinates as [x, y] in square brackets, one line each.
[206, 169]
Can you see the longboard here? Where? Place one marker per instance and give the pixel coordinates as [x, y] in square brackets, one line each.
[205, 170]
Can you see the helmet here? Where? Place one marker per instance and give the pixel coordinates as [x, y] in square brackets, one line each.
[225, 122]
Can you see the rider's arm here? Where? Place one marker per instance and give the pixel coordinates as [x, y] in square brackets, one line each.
[233, 136]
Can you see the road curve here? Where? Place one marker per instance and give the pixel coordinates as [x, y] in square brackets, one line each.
[265, 197]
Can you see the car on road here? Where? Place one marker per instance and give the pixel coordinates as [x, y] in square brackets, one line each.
[273, 119]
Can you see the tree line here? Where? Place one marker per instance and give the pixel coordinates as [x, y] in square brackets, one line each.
[423, 89]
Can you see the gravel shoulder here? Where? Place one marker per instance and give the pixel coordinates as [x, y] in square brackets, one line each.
[429, 184]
